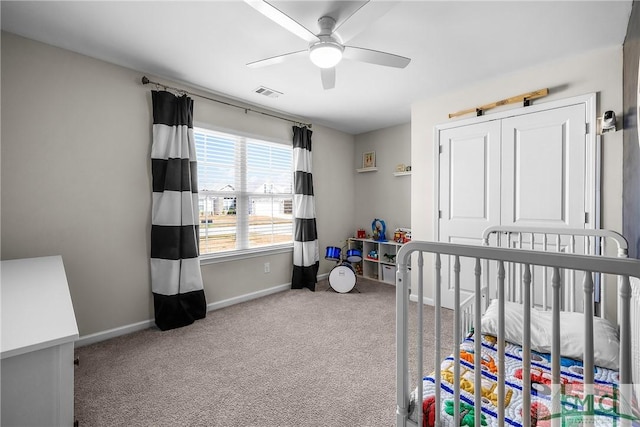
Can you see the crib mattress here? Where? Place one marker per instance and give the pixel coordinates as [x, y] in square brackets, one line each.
[573, 404]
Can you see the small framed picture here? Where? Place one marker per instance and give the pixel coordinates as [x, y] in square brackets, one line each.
[369, 159]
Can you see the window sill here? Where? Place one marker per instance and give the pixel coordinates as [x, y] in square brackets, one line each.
[244, 254]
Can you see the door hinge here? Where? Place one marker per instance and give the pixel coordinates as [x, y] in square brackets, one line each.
[440, 149]
[440, 214]
[586, 128]
[586, 217]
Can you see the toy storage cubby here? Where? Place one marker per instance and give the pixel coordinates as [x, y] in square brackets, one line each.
[375, 265]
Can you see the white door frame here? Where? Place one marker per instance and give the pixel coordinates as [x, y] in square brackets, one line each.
[592, 166]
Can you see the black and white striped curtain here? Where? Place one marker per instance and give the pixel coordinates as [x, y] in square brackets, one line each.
[176, 280]
[306, 258]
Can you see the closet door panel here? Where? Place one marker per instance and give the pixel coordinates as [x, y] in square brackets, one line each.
[469, 180]
[469, 193]
[544, 175]
[538, 175]
[543, 168]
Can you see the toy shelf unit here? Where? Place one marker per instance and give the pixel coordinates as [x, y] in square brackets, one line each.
[378, 259]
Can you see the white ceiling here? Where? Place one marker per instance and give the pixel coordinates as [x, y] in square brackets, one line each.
[208, 44]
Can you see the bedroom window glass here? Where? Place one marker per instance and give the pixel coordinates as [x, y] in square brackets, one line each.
[245, 193]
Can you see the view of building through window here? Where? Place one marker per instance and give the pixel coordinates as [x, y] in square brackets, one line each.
[245, 192]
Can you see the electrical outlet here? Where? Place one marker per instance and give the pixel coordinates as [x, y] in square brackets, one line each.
[267, 267]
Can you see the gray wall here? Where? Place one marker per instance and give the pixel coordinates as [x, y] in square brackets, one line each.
[631, 142]
[380, 194]
[76, 137]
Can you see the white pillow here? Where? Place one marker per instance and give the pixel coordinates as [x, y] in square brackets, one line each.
[606, 343]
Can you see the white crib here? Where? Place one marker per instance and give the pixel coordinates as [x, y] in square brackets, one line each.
[545, 282]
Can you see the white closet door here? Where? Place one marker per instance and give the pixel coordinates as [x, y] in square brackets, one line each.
[469, 193]
[526, 170]
[543, 168]
[544, 183]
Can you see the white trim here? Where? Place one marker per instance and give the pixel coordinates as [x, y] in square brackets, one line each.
[436, 182]
[113, 333]
[247, 297]
[244, 254]
[425, 300]
[598, 183]
[146, 324]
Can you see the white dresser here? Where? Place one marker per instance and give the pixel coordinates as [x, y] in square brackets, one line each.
[38, 334]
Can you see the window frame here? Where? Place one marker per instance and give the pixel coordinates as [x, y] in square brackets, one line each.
[239, 254]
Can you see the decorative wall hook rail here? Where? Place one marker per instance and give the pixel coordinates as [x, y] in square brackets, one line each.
[525, 98]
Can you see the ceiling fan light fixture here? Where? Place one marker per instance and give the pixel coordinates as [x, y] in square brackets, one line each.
[325, 54]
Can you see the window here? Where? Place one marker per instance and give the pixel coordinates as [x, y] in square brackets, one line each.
[245, 192]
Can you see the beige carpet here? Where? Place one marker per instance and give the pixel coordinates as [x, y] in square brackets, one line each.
[296, 358]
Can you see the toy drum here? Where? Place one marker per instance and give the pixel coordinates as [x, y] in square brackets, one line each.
[354, 255]
[342, 278]
[332, 253]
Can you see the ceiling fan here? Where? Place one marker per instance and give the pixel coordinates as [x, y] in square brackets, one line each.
[327, 48]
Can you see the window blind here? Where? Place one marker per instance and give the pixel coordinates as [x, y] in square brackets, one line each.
[245, 192]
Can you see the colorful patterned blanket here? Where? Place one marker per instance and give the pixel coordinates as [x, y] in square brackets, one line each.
[574, 404]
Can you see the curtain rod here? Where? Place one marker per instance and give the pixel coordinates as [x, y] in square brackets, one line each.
[145, 81]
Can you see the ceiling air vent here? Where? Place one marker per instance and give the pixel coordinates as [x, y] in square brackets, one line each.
[267, 92]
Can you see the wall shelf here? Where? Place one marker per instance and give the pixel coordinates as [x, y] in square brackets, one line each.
[367, 170]
[402, 173]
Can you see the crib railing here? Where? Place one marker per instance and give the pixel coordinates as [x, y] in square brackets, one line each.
[545, 239]
[526, 259]
[635, 341]
[559, 240]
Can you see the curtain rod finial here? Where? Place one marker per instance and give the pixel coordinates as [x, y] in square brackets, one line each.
[145, 80]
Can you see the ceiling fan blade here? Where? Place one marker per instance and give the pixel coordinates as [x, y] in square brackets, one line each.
[375, 57]
[362, 18]
[328, 77]
[277, 59]
[282, 19]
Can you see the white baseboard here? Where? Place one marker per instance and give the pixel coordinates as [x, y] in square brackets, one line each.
[139, 326]
[425, 300]
[112, 333]
[247, 297]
